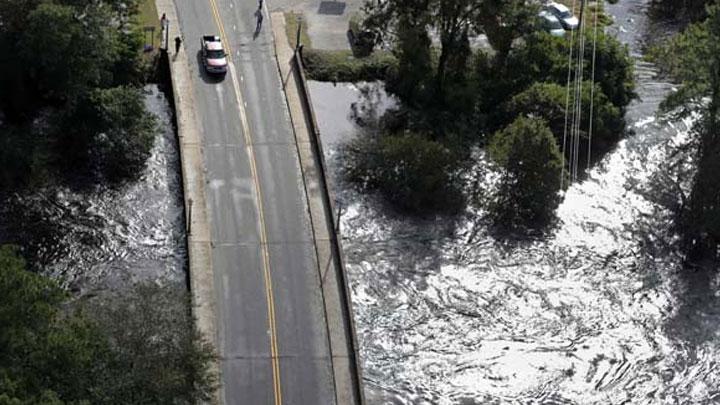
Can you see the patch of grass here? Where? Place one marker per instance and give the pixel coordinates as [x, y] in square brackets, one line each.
[342, 66]
[292, 19]
[148, 17]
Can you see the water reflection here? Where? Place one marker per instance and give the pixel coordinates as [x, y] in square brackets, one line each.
[600, 311]
[107, 238]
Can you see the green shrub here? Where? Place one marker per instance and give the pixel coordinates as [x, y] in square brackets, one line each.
[531, 163]
[549, 100]
[342, 66]
[413, 173]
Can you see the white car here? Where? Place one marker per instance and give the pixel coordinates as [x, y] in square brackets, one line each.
[213, 55]
[549, 23]
[567, 19]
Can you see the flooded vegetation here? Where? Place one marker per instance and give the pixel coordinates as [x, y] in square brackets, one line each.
[108, 238]
[600, 310]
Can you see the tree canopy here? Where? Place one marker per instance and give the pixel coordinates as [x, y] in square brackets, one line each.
[456, 92]
[530, 182]
[55, 56]
[693, 59]
[416, 174]
[142, 349]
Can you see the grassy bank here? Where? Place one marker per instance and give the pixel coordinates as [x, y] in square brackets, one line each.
[148, 17]
[292, 20]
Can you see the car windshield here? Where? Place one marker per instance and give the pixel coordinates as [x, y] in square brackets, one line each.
[215, 54]
[565, 14]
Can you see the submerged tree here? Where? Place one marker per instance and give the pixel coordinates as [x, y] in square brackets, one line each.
[693, 58]
[530, 182]
[415, 174]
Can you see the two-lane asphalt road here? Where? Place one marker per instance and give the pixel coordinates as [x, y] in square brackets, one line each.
[272, 332]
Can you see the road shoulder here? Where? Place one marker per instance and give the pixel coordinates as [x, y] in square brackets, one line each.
[201, 277]
[336, 295]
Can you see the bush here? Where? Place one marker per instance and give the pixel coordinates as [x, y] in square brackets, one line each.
[531, 163]
[549, 100]
[413, 173]
[342, 66]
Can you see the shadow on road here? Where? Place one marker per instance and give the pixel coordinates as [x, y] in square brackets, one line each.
[258, 26]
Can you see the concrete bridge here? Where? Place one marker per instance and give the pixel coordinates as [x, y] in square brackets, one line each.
[266, 272]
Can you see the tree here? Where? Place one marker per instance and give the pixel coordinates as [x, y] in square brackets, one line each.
[412, 81]
[159, 354]
[125, 133]
[66, 54]
[530, 162]
[544, 58]
[40, 357]
[61, 54]
[143, 349]
[109, 132]
[454, 21]
[504, 21]
[693, 58]
[549, 100]
[685, 10]
[413, 173]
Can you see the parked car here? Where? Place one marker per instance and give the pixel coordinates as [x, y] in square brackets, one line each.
[214, 57]
[549, 23]
[567, 19]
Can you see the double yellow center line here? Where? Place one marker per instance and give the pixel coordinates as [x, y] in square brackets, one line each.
[263, 229]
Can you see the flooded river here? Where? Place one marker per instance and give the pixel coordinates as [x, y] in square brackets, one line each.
[601, 311]
[108, 238]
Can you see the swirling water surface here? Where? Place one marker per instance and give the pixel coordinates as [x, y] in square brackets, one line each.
[600, 311]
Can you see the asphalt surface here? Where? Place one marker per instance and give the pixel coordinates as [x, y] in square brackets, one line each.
[272, 333]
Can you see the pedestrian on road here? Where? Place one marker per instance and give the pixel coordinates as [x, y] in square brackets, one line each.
[178, 41]
[259, 16]
[163, 19]
[260, 4]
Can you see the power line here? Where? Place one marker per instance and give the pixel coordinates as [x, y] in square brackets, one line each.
[592, 83]
[567, 101]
